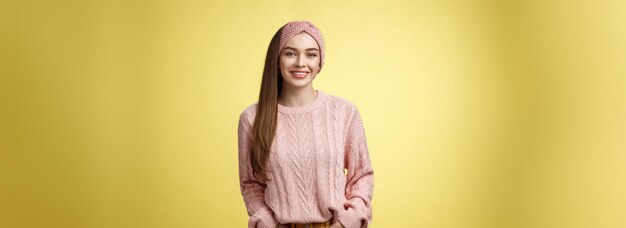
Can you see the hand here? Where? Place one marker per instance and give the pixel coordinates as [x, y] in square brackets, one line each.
[337, 225]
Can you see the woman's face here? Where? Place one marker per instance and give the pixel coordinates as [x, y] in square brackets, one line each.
[299, 61]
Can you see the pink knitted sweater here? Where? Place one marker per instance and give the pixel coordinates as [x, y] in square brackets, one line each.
[313, 145]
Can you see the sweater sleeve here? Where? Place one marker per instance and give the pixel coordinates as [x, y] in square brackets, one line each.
[360, 176]
[252, 189]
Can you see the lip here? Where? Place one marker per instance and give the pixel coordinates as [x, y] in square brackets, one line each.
[299, 74]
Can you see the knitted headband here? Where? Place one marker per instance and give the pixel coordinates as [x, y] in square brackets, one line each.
[292, 28]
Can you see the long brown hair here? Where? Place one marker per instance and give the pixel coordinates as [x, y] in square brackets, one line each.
[264, 128]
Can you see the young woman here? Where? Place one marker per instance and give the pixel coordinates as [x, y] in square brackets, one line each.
[303, 156]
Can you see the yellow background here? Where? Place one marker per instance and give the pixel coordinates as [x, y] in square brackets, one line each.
[477, 113]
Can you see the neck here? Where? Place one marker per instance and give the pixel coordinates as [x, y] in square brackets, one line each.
[297, 97]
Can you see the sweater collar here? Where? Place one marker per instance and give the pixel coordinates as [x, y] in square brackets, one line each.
[319, 100]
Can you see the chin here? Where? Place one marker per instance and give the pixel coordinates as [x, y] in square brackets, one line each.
[299, 84]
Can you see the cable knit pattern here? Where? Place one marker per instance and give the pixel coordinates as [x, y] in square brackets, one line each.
[313, 145]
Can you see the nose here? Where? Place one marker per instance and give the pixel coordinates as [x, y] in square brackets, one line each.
[300, 61]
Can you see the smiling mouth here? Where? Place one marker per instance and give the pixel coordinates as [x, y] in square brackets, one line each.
[299, 74]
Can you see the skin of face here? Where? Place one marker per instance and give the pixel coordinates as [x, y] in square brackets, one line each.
[300, 54]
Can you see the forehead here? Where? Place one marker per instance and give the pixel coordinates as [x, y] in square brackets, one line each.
[302, 41]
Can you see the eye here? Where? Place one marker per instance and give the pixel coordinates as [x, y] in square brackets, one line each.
[312, 54]
[289, 54]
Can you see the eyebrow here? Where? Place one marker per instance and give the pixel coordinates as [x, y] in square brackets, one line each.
[308, 49]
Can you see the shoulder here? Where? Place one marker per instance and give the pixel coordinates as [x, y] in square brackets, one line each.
[343, 108]
[342, 104]
[248, 113]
